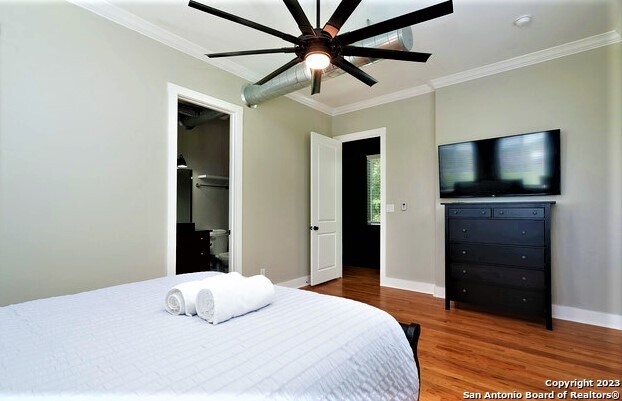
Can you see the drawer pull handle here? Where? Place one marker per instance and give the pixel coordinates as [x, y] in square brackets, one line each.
[464, 271]
[524, 299]
[502, 212]
[464, 252]
[464, 290]
[201, 238]
[201, 253]
[524, 278]
[523, 232]
[523, 257]
[464, 230]
[483, 212]
[535, 212]
[455, 212]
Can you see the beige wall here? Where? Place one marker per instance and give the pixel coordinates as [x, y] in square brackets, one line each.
[410, 153]
[581, 94]
[575, 94]
[83, 150]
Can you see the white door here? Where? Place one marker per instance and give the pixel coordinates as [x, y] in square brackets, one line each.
[325, 209]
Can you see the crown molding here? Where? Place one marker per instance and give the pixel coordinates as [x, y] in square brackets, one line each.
[378, 100]
[314, 104]
[540, 56]
[146, 28]
[118, 15]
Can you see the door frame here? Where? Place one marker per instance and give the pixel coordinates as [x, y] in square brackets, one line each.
[235, 112]
[376, 133]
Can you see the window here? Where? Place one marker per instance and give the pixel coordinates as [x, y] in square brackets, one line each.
[373, 189]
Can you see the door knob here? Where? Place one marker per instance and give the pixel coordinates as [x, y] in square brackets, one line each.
[314, 228]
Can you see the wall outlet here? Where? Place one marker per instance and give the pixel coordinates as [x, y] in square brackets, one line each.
[262, 271]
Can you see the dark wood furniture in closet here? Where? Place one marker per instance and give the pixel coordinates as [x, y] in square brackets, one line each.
[498, 255]
[193, 249]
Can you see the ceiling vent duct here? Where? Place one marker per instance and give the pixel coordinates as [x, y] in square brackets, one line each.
[299, 76]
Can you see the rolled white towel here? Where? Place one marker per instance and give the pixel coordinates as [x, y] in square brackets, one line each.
[220, 303]
[181, 299]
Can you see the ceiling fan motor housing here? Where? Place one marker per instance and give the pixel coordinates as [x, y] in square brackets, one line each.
[322, 43]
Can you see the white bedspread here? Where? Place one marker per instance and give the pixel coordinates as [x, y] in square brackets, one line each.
[119, 342]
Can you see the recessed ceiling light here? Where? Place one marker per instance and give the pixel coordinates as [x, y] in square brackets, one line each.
[522, 20]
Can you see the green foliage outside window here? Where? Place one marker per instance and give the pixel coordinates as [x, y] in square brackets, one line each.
[373, 189]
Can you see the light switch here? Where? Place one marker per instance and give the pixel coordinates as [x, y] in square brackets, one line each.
[390, 208]
[404, 206]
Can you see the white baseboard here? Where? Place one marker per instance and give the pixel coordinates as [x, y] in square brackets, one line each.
[561, 312]
[417, 286]
[572, 314]
[587, 316]
[295, 283]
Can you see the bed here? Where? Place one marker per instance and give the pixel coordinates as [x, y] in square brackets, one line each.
[119, 342]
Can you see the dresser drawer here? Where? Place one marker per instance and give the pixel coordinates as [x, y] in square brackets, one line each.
[518, 212]
[507, 276]
[515, 300]
[469, 212]
[497, 255]
[519, 232]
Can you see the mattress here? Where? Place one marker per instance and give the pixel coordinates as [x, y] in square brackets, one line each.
[119, 342]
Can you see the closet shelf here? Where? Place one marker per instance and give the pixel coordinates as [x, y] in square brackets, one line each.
[213, 177]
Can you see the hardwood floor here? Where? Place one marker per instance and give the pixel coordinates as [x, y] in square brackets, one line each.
[467, 350]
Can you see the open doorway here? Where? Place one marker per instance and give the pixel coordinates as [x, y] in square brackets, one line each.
[202, 189]
[361, 196]
[204, 218]
[364, 231]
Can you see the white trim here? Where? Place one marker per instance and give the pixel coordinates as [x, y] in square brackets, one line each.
[137, 24]
[587, 316]
[378, 100]
[314, 104]
[551, 53]
[131, 21]
[417, 286]
[578, 315]
[295, 283]
[236, 131]
[382, 134]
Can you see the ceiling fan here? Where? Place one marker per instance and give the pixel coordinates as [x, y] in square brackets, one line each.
[320, 47]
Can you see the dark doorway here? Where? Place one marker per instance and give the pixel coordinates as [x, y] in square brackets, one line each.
[361, 235]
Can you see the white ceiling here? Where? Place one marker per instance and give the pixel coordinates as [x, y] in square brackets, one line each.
[478, 33]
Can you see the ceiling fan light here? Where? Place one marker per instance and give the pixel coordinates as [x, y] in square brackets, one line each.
[317, 60]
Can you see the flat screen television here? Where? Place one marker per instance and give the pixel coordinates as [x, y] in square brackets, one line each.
[517, 165]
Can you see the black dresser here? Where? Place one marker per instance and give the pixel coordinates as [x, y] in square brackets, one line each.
[193, 251]
[498, 255]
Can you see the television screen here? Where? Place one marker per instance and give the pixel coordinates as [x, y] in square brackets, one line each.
[527, 164]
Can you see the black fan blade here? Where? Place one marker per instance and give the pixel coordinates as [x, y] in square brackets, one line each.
[252, 52]
[339, 17]
[316, 81]
[425, 14]
[354, 71]
[243, 21]
[299, 15]
[278, 71]
[385, 53]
